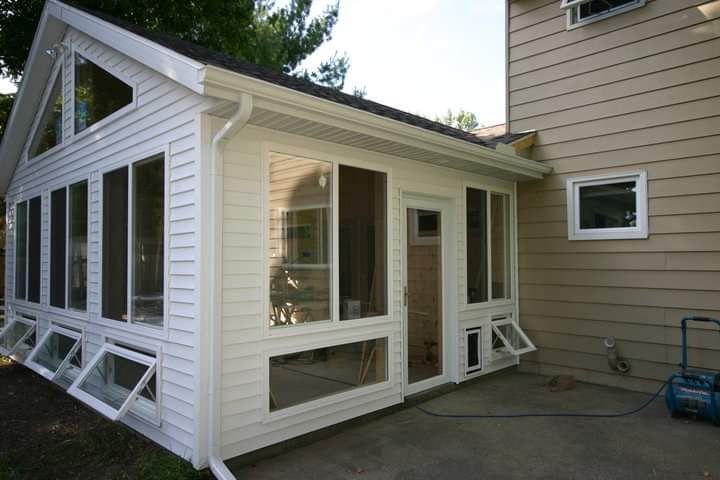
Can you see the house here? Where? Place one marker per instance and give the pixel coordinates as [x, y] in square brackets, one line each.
[224, 257]
[623, 238]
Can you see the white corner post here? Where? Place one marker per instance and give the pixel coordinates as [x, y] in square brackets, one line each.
[238, 120]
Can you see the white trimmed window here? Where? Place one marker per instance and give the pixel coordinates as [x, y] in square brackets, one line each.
[27, 226]
[508, 338]
[58, 351]
[581, 12]
[608, 207]
[116, 380]
[473, 350]
[18, 337]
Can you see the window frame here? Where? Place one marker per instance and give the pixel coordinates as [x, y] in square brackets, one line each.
[27, 199]
[335, 160]
[477, 369]
[99, 405]
[20, 319]
[575, 232]
[41, 370]
[509, 350]
[57, 70]
[66, 185]
[571, 8]
[128, 325]
[511, 242]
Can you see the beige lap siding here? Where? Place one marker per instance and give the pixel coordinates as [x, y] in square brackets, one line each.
[637, 91]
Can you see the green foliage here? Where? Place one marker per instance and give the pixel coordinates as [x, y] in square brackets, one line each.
[255, 30]
[6, 102]
[163, 466]
[462, 120]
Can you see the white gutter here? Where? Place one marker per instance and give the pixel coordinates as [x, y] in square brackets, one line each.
[219, 141]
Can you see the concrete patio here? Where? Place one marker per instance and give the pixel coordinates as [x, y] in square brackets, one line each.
[412, 445]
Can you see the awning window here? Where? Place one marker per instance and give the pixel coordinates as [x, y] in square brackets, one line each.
[513, 339]
[113, 380]
[573, 3]
[56, 351]
[17, 336]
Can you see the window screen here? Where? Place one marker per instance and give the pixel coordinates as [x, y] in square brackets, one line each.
[78, 246]
[58, 205]
[21, 235]
[33, 260]
[115, 245]
[477, 245]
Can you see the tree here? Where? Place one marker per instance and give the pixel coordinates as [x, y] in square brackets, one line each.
[6, 102]
[463, 120]
[254, 30]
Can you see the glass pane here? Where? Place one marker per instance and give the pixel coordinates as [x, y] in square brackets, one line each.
[300, 240]
[612, 205]
[424, 284]
[115, 244]
[500, 245]
[34, 232]
[300, 377]
[473, 349]
[511, 334]
[113, 378]
[54, 350]
[21, 250]
[58, 205]
[363, 243]
[12, 334]
[477, 257]
[97, 93]
[49, 132]
[148, 241]
[77, 253]
[596, 7]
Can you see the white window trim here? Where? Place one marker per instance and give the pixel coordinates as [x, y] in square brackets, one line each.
[334, 323]
[474, 370]
[58, 69]
[509, 320]
[640, 231]
[571, 6]
[49, 374]
[18, 319]
[99, 405]
[512, 233]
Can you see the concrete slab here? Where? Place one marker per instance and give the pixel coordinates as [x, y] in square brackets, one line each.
[412, 445]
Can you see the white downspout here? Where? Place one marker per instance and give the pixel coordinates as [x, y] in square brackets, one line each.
[219, 141]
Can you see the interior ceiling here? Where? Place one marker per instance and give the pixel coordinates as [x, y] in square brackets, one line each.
[320, 131]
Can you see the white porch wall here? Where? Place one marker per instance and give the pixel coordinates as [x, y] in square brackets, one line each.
[245, 341]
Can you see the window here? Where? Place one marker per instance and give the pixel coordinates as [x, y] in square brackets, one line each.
[27, 250]
[59, 350]
[141, 247]
[98, 94]
[18, 337]
[580, 12]
[301, 242]
[115, 380]
[50, 129]
[68, 246]
[473, 350]
[488, 246]
[607, 207]
[508, 338]
[301, 377]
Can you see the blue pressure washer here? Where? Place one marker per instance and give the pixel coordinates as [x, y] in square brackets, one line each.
[693, 392]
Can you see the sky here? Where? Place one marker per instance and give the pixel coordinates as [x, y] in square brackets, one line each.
[421, 56]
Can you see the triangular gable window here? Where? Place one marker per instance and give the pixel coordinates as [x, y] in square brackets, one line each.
[50, 128]
[98, 94]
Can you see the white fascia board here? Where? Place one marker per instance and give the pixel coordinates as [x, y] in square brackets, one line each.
[156, 57]
[221, 83]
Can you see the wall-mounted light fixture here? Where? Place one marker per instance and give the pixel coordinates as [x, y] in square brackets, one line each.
[56, 49]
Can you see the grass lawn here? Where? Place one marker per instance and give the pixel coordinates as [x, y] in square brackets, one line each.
[46, 434]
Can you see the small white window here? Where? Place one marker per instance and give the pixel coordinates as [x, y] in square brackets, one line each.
[114, 380]
[18, 337]
[57, 351]
[473, 350]
[607, 207]
[508, 338]
[581, 12]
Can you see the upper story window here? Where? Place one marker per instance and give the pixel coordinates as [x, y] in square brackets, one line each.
[50, 128]
[98, 94]
[580, 12]
[607, 207]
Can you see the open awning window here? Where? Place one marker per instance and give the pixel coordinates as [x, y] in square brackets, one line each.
[17, 336]
[513, 339]
[113, 380]
[573, 3]
[58, 350]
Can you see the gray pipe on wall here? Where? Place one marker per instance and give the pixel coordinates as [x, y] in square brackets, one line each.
[616, 362]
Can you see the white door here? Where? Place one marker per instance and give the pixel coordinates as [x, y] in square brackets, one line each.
[425, 299]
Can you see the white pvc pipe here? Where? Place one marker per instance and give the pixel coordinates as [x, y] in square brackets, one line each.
[229, 130]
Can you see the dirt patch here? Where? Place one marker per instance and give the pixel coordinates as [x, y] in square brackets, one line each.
[47, 434]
